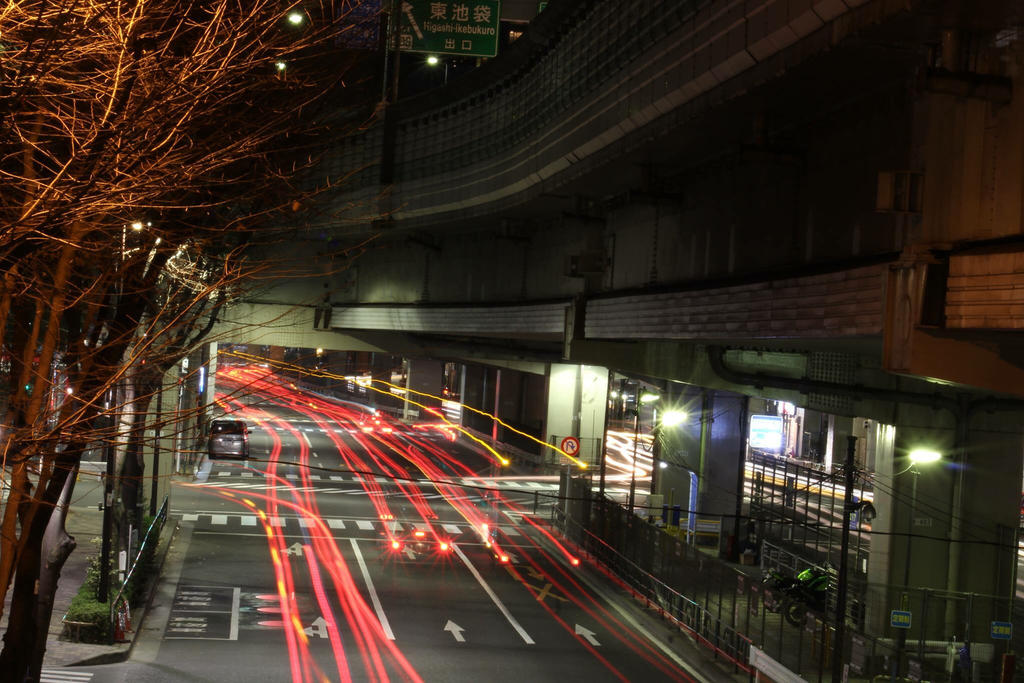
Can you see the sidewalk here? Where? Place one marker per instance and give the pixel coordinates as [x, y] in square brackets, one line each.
[86, 523]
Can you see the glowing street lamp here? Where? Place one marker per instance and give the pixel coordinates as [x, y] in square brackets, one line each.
[671, 418]
[295, 18]
[668, 418]
[917, 456]
[924, 455]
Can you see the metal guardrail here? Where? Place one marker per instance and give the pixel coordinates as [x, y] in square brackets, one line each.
[731, 610]
[703, 624]
[120, 610]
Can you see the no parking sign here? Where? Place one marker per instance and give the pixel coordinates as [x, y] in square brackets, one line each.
[570, 445]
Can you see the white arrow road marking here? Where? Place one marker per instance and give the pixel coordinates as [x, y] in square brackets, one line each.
[637, 628]
[295, 549]
[494, 598]
[318, 628]
[588, 634]
[456, 631]
[384, 625]
[409, 552]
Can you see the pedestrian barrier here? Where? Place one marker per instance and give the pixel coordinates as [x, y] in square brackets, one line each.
[120, 616]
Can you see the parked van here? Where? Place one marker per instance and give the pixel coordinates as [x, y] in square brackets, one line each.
[229, 439]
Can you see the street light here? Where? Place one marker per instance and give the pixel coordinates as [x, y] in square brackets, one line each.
[434, 60]
[671, 418]
[917, 456]
[668, 418]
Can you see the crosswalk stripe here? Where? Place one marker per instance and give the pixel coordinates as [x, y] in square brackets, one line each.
[224, 473]
[64, 675]
[394, 526]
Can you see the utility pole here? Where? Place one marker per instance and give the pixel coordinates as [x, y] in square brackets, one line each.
[156, 450]
[108, 504]
[844, 551]
[636, 439]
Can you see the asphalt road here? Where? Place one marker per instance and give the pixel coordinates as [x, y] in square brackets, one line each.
[300, 565]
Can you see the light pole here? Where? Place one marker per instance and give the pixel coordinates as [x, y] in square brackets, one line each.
[917, 456]
[632, 469]
[667, 418]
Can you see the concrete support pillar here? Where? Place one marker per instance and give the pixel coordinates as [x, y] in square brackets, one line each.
[425, 376]
[724, 459]
[475, 395]
[561, 396]
[945, 527]
[709, 449]
[381, 365]
[576, 400]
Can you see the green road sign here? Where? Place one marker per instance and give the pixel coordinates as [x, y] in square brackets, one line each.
[455, 27]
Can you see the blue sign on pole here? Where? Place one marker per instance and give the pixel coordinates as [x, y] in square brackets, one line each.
[899, 618]
[1002, 630]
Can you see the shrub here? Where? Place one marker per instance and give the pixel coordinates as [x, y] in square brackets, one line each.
[85, 608]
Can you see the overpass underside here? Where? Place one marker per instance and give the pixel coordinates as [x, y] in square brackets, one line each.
[819, 203]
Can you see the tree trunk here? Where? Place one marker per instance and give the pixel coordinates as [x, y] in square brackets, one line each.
[22, 628]
[57, 547]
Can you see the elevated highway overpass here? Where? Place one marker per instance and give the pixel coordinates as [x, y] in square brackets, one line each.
[819, 203]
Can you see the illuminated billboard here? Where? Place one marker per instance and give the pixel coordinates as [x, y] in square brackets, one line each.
[766, 432]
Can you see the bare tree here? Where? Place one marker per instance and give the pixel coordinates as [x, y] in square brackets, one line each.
[144, 147]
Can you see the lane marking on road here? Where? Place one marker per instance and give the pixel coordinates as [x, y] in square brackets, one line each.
[364, 525]
[494, 598]
[385, 626]
[236, 601]
[310, 445]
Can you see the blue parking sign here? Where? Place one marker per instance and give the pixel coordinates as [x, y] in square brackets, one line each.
[1002, 630]
[899, 619]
